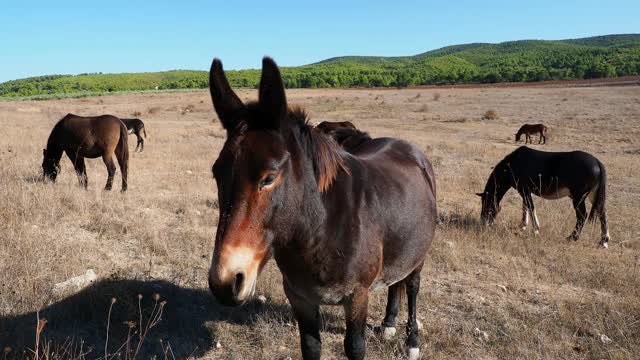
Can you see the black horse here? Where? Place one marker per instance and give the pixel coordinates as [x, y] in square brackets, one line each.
[136, 126]
[550, 175]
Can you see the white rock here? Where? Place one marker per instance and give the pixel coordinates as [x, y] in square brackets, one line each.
[482, 335]
[218, 345]
[75, 283]
[605, 339]
[189, 172]
[502, 287]
[262, 299]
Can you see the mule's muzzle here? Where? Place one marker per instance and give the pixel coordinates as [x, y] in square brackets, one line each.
[229, 293]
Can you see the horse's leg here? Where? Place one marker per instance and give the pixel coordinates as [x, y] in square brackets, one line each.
[81, 170]
[388, 327]
[412, 283]
[355, 311]
[123, 162]
[78, 165]
[308, 317]
[540, 139]
[137, 137]
[527, 202]
[525, 217]
[140, 140]
[581, 216]
[111, 169]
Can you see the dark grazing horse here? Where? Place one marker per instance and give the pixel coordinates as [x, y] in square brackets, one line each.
[529, 129]
[550, 175]
[136, 126]
[329, 126]
[337, 224]
[346, 136]
[87, 137]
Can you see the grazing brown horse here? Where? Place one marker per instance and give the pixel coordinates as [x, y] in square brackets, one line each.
[550, 175]
[136, 126]
[529, 129]
[87, 137]
[329, 126]
[338, 224]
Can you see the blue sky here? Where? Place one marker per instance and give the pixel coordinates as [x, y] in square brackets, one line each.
[70, 37]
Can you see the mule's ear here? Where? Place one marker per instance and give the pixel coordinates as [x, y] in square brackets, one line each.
[227, 104]
[480, 194]
[272, 99]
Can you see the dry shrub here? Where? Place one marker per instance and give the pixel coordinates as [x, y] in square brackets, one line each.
[422, 109]
[490, 115]
[153, 110]
[136, 113]
[436, 96]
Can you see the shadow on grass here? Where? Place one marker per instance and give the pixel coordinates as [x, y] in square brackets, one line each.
[186, 322]
[467, 221]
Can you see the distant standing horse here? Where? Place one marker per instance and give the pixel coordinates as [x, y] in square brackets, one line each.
[338, 224]
[87, 137]
[136, 126]
[529, 129]
[550, 175]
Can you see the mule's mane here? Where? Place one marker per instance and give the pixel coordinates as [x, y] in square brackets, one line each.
[321, 149]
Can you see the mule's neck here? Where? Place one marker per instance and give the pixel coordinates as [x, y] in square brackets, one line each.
[54, 150]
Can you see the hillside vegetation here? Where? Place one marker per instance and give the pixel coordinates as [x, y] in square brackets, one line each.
[514, 61]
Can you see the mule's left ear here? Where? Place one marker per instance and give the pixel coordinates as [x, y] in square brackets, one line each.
[272, 99]
[227, 104]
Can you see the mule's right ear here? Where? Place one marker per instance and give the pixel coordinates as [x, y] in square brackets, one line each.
[227, 104]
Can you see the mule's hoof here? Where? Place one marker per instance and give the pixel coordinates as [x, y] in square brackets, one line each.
[604, 245]
[388, 332]
[536, 232]
[413, 353]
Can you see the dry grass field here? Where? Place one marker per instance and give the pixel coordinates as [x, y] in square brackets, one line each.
[496, 293]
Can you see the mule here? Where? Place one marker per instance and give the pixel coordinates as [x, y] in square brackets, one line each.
[136, 126]
[338, 224]
[87, 137]
[550, 175]
[530, 129]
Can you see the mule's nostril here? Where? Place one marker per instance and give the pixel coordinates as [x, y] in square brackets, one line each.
[237, 284]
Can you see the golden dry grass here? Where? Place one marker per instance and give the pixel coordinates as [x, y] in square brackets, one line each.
[534, 297]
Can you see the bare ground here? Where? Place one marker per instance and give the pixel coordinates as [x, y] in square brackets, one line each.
[486, 293]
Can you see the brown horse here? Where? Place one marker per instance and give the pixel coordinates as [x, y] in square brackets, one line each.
[87, 137]
[530, 129]
[136, 126]
[338, 224]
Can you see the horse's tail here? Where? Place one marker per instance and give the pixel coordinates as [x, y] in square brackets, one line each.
[598, 206]
[144, 131]
[122, 153]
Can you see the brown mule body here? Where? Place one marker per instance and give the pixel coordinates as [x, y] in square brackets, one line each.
[530, 129]
[87, 137]
[339, 224]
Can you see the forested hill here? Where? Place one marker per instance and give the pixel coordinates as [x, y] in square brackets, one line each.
[513, 61]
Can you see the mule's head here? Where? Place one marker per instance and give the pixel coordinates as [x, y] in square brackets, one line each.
[518, 137]
[252, 173]
[50, 166]
[490, 208]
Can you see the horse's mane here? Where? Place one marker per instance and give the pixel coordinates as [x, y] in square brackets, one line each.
[322, 150]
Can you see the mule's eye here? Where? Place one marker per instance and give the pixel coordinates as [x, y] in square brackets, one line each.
[268, 180]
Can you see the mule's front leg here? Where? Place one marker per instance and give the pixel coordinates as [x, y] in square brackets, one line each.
[355, 311]
[388, 327]
[308, 317]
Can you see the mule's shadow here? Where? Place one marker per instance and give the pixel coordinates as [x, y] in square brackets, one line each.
[187, 324]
